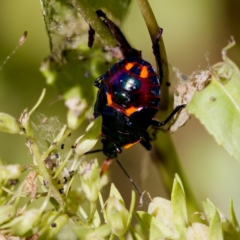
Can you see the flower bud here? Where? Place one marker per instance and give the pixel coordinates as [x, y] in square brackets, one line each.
[90, 180]
[76, 113]
[23, 225]
[8, 172]
[7, 212]
[117, 216]
[86, 142]
[53, 229]
[9, 124]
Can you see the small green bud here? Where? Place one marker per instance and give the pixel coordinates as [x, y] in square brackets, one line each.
[8, 172]
[90, 180]
[7, 212]
[87, 141]
[161, 209]
[9, 124]
[53, 229]
[76, 113]
[23, 225]
[117, 216]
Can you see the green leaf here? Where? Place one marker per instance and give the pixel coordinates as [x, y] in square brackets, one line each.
[118, 9]
[178, 201]
[156, 228]
[209, 209]
[7, 212]
[9, 124]
[90, 179]
[75, 77]
[51, 232]
[117, 216]
[218, 106]
[92, 233]
[161, 209]
[215, 228]
[72, 66]
[87, 141]
[233, 217]
[115, 193]
[132, 206]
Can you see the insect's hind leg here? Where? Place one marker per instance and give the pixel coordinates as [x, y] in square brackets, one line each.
[155, 123]
[145, 141]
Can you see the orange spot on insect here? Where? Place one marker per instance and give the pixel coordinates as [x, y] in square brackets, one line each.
[144, 72]
[109, 99]
[129, 66]
[130, 111]
[130, 144]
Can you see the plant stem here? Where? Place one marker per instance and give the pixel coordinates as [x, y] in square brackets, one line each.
[153, 30]
[166, 159]
[94, 21]
[165, 156]
[31, 142]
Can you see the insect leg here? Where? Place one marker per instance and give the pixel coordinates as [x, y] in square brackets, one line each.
[176, 110]
[98, 81]
[126, 49]
[145, 141]
[156, 52]
[105, 166]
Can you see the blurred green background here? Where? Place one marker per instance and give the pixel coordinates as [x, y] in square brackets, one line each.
[194, 34]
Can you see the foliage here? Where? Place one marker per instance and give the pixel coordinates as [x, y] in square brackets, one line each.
[68, 187]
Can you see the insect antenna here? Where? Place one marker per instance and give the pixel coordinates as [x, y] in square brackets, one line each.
[93, 151]
[121, 166]
[131, 180]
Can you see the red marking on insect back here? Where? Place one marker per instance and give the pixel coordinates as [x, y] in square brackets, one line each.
[129, 66]
[144, 72]
[109, 99]
[128, 111]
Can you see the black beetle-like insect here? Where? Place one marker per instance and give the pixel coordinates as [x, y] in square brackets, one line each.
[129, 97]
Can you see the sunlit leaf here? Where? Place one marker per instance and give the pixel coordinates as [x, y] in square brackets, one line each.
[116, 8]
[156, 228]
[233, 217]
[215, 228]
[178, 201]
[90, 138]
[218, 106]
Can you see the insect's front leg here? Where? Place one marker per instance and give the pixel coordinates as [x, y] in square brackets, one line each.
[156, 52]
[98, 81]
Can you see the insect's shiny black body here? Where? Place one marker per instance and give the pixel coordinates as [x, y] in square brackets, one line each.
[129, 96]
[128, 99]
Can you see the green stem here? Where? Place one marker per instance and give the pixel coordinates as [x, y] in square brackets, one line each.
[45, 228]
[166, 159]
[93, 208]
[111, 236]
[31, 141]
[165, 156]
[57, 143]
[153, 30]
[90, 16]
[132, 206]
